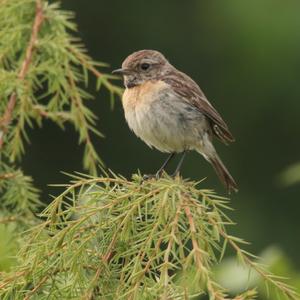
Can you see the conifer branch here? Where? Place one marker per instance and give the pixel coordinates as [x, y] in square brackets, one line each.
[101, 77]
[111, 238]
[245, 257]
[54, 69]
[8, 115]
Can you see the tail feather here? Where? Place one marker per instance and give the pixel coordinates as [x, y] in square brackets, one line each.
[223, 173]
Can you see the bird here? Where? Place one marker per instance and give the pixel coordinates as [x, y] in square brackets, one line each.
[167, 110]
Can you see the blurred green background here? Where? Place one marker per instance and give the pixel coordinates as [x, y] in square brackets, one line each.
[245, 55]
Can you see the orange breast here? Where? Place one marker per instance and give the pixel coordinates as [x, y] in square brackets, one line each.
[142, 94]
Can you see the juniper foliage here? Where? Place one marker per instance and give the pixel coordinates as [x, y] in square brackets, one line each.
[110, 238]
[44, 70]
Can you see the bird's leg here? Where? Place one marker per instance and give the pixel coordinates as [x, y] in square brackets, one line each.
[159, 172]
[166, 162]
[179, 164]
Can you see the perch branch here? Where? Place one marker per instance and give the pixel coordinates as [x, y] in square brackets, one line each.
[8, 114]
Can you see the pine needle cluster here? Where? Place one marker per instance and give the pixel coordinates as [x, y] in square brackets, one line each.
[44, 72]
[110, 238]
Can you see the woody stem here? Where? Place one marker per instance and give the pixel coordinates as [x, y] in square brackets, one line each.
[8, 114]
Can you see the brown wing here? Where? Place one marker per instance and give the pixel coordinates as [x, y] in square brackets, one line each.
[188, 88]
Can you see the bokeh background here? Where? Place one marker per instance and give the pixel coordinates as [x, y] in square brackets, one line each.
[246, 57]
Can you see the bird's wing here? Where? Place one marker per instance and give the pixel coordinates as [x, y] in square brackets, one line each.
[187, 88]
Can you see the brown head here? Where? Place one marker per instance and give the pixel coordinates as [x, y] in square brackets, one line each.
[142, 66]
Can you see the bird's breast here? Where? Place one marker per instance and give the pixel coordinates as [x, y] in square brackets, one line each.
[142, 95]
[162, 118]
[139, 108]
[142, 110]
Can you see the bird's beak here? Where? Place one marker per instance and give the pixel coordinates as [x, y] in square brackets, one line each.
[121, 71]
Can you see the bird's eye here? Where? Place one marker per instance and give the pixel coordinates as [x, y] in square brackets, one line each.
[145, 66]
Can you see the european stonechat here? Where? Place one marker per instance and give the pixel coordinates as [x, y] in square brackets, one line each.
[167, 110]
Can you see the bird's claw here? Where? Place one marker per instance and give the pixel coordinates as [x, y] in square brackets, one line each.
[175, 174]
[152, 176]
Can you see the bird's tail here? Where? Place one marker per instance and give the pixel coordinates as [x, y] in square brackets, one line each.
[223, 173]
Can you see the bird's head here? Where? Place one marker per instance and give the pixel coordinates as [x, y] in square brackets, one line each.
[142, 66]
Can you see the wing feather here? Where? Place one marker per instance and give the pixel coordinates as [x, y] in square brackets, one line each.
[189, 89]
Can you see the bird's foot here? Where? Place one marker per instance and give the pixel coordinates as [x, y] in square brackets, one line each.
[148, 176]
[175, 174]
[157, 175]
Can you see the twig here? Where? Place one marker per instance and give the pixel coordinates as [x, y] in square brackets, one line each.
[86, 127]
[98, 74]
[7, 176]
[194, 241]
[78, 104]
[105, 259]
[170, 244]
[212, 287]
[7, 220]
[36, 288]
[284, 288]
[11, 278]
[43, 112]
[8, 114]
